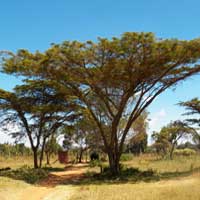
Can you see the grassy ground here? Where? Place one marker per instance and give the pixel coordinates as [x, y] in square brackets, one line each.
[18, 190]
[178, 164]
[184, 187]
[178, 189]
[181, 183]
[11, 189]
[18, 161]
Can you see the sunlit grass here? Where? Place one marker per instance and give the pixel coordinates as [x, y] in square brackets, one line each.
[11, 189]
[173, 188]
[178, 188]
[19, 161]
[182, 189]
[178, 164]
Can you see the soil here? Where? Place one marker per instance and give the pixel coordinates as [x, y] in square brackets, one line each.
[55, 186]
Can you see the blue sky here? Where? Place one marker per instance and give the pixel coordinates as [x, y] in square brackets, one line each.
[34, 25]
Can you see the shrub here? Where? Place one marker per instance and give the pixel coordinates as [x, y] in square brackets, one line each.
[127, 174]
[147, 173]
[26, 173]
[184, 152]
[130, 171]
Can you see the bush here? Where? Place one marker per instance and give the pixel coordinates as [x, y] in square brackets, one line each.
[126, 174]
[148, 173]
[130, 171]
[126, 157]
[184, 152]
[106, 169]
[95, 163]
[26, 173]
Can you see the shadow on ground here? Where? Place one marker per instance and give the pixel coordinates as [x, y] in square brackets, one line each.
[78, 175]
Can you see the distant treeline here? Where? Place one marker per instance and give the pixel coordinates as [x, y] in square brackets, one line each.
[14, 150]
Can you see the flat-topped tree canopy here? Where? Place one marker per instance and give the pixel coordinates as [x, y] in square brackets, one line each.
[192, 108]
[114, 77]
[38, 109]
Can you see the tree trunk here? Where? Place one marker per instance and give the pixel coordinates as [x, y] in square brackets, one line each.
[42, 152]
[35, 158]
[86, 156]
[172, 151]
[80, 156]
[77, 156]
[114, 165]
[48, 158]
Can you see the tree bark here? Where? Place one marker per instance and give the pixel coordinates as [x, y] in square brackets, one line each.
[48, 158]
[35, 158]
[172, 151]
[80, 156]
[114, 158]
[42, 152]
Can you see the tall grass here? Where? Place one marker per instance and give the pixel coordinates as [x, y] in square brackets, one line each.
[185, 189]
[15, 162]
[178, 164]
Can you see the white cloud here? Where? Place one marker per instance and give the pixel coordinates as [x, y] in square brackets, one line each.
[156, 119]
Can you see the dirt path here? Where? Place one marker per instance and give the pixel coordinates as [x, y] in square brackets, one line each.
[71, 175]
[55, 186]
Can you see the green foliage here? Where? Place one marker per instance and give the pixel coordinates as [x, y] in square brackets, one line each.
[38, 109]
[8, 150]
[193, 108]
[185, 152]
[26, 173]
[138, 140]
[126, 174]
[167, 139]
[126, 157]
[95, 163]
[112, 78]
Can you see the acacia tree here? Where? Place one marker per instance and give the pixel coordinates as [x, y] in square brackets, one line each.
[161, 144]
[193, 108]
[169, 135]
[38, 110]
[138, 139]
[124, 76]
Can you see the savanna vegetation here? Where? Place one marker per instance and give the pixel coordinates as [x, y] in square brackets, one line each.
[91, 99]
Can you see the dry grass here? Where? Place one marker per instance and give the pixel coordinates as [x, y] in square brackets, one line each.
[180, 189]
[19, 161]
[11, 189]
[179, 164]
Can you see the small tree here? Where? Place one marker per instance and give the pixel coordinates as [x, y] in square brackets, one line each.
[171, 134]
[161, 143]
[138, 139]
[38, 110]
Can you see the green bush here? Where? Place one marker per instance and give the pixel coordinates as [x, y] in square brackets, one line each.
[126, 174]
[184, 152]
[126, 157]
[26, 173]
[95, 163]
[130, 171]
